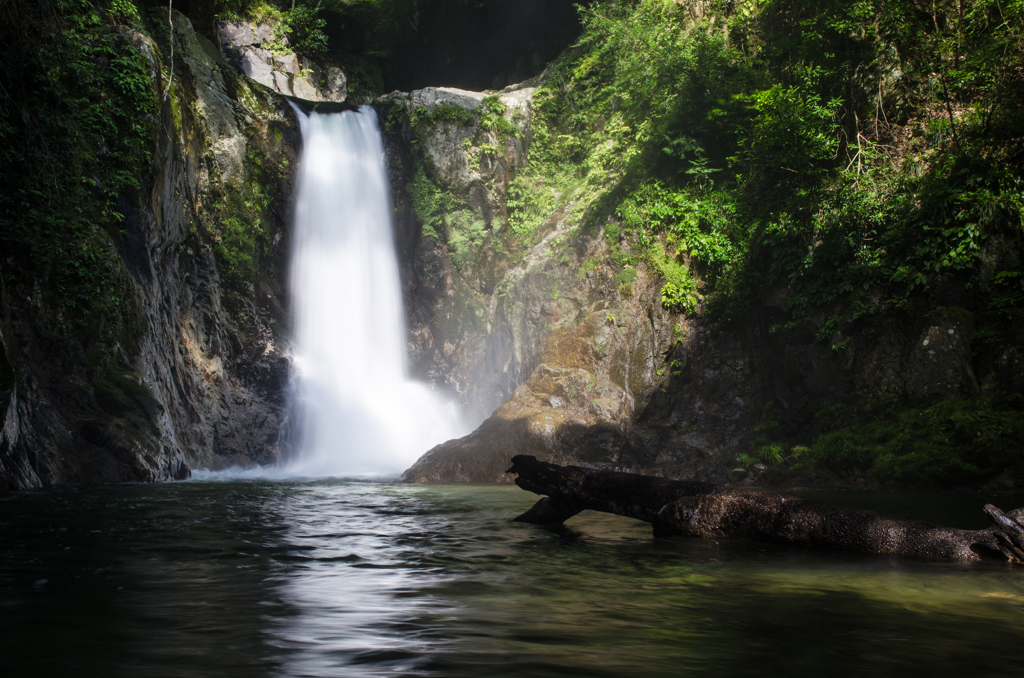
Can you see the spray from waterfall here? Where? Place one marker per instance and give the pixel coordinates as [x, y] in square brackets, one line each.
[356, 412]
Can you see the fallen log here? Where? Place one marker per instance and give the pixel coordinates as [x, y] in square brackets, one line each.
[696, 509]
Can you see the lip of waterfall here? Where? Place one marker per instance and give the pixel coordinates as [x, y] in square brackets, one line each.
[322, 107]
[301, 115]
[354, 411]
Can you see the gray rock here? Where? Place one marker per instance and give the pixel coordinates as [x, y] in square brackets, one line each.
[236, 33]
[940, 362]
[302, 88]
[263, 34]
[336, 88]
[255, 66]
[289, 63]
[247, 48]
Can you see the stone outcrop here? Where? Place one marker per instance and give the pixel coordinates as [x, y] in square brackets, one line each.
[260, 52]
[451, 269]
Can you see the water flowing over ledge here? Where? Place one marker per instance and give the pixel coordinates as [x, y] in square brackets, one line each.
[355, 412]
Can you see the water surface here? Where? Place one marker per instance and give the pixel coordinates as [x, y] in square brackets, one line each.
[333, 578]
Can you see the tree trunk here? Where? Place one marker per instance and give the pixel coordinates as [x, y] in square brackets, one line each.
[694, 509]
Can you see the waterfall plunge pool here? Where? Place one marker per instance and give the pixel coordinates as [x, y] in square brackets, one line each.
[341, 578]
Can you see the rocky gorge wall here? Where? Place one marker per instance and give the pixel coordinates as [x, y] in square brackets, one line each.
[572, 358]
[587, 366]
[545, 337]
[205, 249]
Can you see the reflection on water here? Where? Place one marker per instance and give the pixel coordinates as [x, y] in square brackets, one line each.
[332, 578]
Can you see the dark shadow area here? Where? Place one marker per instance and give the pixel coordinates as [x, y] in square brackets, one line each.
[478, 46]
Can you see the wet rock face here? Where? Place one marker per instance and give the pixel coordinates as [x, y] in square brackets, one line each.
[214, 356]
[450, 266]
[256, 51]
[580, 368]
[206, 383]
[575, 366]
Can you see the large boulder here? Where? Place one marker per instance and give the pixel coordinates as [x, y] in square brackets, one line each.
[563, 415]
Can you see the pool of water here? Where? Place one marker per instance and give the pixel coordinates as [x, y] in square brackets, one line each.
[332, 578]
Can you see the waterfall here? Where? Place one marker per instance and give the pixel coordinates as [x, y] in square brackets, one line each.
[356, 412]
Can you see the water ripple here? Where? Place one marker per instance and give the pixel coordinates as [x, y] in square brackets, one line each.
[339, 578]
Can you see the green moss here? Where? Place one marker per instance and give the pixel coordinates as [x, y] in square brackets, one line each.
[117, 386]
[243, 215]
[443, 113]
[429, 203]
[588, 266]
[242, 235]
[492, 118]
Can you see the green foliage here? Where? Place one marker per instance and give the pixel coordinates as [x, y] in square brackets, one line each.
[257, 11]
[945, 443]
[867, 146]
[305, 30]
[790, 133]
[440, 212]
[492, 118]
[443, 112]
[857, 158]
[770, 455]
[680, 290]
[124, 11]
[76, 129]
[467, 232]
[430, 203]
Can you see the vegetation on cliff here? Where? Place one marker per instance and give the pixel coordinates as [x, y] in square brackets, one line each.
[78, 125]
[782, 170]
[858, 161]
[139, 216]
[76, 122]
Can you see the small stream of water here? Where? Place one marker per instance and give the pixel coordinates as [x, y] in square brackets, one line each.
[337, 578]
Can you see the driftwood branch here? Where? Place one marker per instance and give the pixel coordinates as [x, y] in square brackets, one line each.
[695, 509]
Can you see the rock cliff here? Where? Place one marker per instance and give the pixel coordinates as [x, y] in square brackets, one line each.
[552, 330]
[579, 359]
[204, 247]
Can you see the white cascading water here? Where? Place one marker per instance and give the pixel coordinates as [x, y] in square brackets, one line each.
[356, 411]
